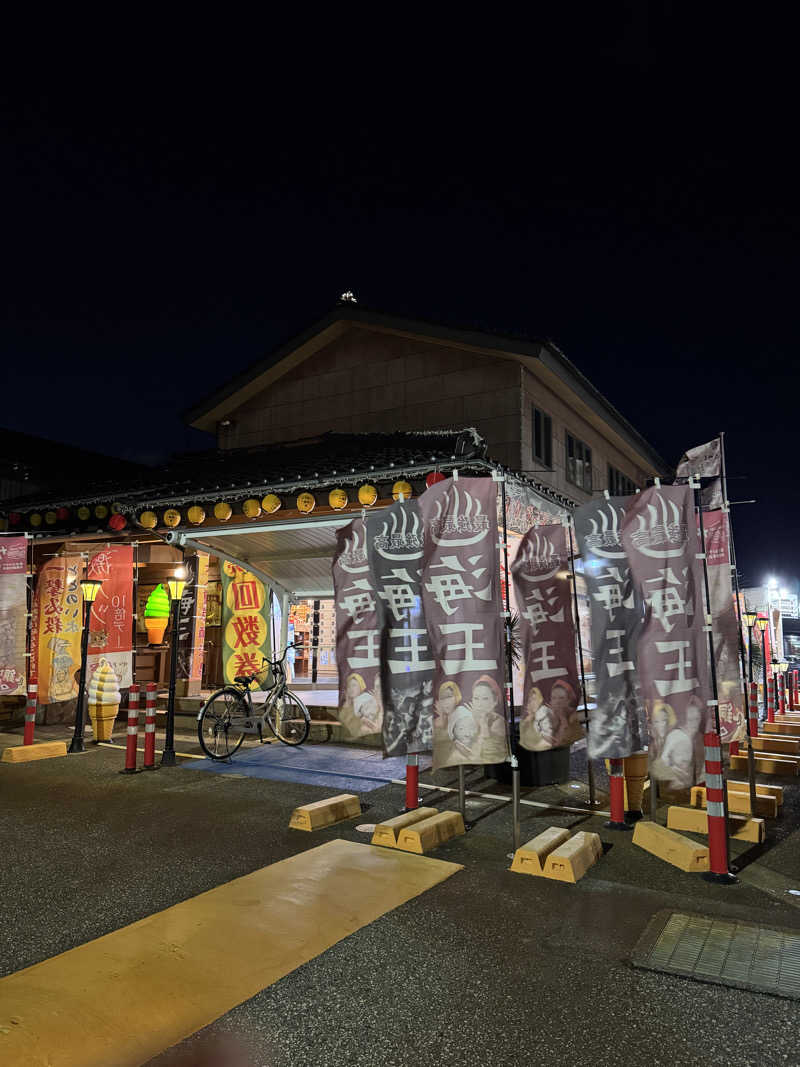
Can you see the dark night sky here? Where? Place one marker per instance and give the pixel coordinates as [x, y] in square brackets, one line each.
[624, 184]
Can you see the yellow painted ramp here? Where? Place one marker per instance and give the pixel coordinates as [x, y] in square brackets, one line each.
[127, 996]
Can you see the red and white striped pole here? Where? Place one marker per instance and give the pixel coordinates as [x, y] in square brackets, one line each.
[781, 694]
[150, 727]
[717, 816]
[753, 709]
[616, 795]
[796, 686]
[30, 715]
[412, 782]
[132, 737]
[770, 699]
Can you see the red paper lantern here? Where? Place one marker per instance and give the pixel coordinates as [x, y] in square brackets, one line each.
[117, 522]
[434, 477]
[14, 518]
[62, 514]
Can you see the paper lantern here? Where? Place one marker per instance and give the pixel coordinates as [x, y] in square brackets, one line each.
[251, 508]
[116, 509]
[196, 515]
[434, 477]
[223, 511]
[36, 519]
[271, 503]
[101, 511]
[14, 518]
[117, 522]
[50, 518]
[83, 513]
[367, 495]
[337, 498]
[402, 489]
[306, 502]
[172, 517]
[148, 519]
[62, 514]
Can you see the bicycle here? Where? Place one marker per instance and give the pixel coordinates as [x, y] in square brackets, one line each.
[228, 716]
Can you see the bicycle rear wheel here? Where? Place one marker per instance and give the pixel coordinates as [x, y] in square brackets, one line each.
[289, 719]
[220, 723]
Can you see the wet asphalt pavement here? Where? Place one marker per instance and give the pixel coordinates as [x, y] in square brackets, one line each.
[488, 967]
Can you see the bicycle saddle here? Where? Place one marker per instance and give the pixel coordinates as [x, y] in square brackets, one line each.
[244, 679]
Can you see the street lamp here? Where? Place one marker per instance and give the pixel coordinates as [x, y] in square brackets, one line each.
[763, 622]
[751, 618]
[176, 586]
[90, 587]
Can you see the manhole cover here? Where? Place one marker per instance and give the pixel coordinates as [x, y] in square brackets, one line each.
[724, 951]
[366, 828]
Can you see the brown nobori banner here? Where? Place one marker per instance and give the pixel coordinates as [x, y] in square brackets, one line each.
[544, 595]
[357, 634]
[617, 725]
[659, 534]
[726, 628]
[401, 648]
[463, 610]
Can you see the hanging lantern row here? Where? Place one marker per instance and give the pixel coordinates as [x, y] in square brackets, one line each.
[61, 516]
[222, 511]
[252, 508]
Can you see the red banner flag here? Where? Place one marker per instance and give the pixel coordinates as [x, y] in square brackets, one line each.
[727, 652]
[544, 594]
[111, 619]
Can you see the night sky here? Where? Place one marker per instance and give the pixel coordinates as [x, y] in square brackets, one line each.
[181, 200]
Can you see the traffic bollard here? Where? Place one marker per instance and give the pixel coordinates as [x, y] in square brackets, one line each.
[150, 727]
[616, 795]
[132, 738]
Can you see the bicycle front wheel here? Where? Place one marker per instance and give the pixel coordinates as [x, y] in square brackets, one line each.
[288, 718]
[220, 724]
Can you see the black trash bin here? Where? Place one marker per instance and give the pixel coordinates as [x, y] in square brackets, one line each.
[535, 768]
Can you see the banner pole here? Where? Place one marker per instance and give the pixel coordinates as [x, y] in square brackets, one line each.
[512, 726]
[589, 768]
[716, 789]
[751, 763]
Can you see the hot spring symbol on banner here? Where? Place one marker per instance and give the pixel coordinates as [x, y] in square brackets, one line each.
[357, 630]
[461, 598]
[617, 725]
[541, 578]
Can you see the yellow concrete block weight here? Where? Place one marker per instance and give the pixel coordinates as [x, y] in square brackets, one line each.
[739, 802]
[530, 858]
[695, 821]
[768, 764]
[781, 746]
[27, 753]
[325, 812]
[570, 861]
[680, 851]
[431, 832]
[781, 728]
[386, 832]
[762, 789]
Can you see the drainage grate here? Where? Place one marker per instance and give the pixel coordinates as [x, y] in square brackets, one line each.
[723, 951]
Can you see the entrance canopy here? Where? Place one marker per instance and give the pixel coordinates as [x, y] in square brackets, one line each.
[292, 557]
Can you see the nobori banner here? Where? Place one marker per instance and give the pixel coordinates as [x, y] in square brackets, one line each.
[13, 614]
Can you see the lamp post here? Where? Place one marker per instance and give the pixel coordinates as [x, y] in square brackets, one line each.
[90, 587]
[751, 618]
[763, 622]
[176, 587]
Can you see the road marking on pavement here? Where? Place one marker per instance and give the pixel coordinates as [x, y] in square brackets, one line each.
[155, 982]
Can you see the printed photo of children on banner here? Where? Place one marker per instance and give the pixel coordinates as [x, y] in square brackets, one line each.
[659, 534]
[400, 647]
[357, 633]
[617, 724]
[463, 611]
[541, 578]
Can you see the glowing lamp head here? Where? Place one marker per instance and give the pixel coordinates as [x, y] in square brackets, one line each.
[762, 622]
[751, 618]
[177, 584]
[90, 587]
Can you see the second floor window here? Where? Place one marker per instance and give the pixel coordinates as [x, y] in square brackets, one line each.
[579, 463]
[619, 484]
[542, 435]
